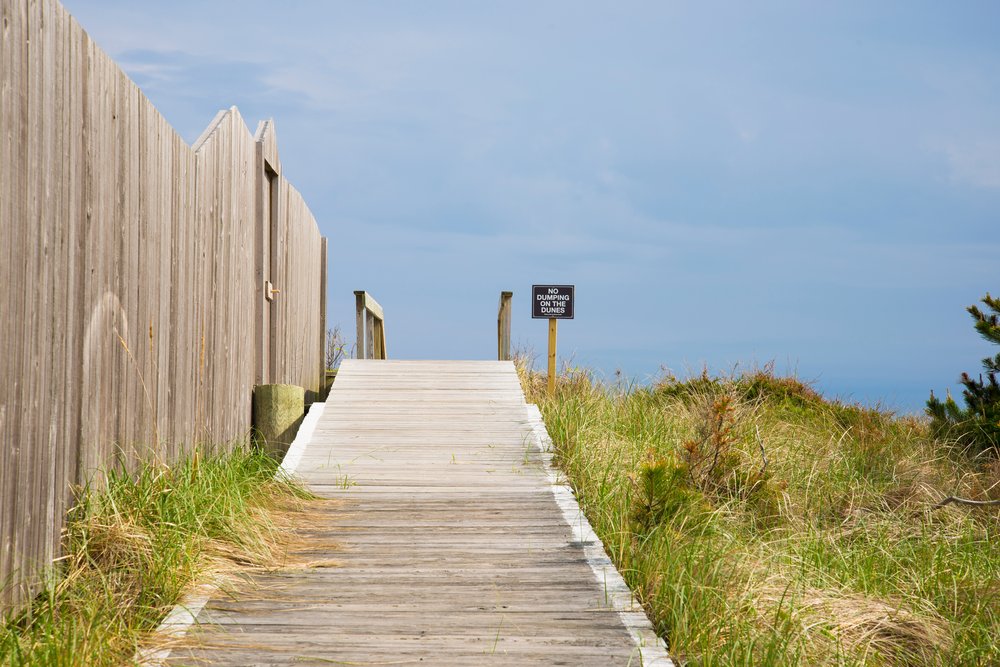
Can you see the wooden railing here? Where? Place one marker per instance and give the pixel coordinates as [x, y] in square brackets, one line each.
[371, 327]
[503, 327]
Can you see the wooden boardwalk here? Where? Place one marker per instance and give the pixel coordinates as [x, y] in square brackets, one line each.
[451, 547]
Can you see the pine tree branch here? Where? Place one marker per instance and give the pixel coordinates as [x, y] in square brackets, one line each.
[992, 365]
[978, 424]
[988, 326]
[992, 302]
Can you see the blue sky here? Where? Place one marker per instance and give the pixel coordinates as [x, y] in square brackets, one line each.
[816, 184]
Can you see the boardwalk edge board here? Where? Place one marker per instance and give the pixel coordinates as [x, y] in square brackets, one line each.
[652, 649]
[175, 625]
[184, 614]
[302, 438]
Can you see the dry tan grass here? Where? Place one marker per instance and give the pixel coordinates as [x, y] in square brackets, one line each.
[228, 570]
[832, 621]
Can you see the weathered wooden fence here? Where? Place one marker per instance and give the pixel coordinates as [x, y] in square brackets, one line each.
[145, 286]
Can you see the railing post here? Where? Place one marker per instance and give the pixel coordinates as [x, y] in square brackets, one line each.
[359, 297]
[322, 313]
[503, 326]
[380, 339]
[370, 335]
[371, 327]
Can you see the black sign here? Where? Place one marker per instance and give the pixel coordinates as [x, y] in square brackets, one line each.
[552, 302]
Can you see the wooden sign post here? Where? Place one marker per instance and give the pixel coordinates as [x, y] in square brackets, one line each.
[554, 303]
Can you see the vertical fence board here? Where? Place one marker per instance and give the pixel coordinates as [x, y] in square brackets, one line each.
[246, 285]
[56, 184]
[142, 240]
[132, 402]
[12, 121]
[99, 305]
[9, 91]
[75, 72]
[163, 257]
[204, 215]
[18, 175]
[6, 223]
[183, 296]
[34, 309]
[260, 273]
[122, 328]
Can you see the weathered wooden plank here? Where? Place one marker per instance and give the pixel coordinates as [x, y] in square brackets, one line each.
[211, 181]
[222, 184]
[98, 309]
[279, 224]
[162, 337]
[206, 214]
[67, 402]
[88, 432]
[59, 178]
[13, 115]
[261, 323]
[225, 386]
[463, 383]
[123, 335]
[184, 351]
[361, 652]
[324, 260]
[9, 117]
[178, 385]
[144, 239]
[249, 288]
[33, 347]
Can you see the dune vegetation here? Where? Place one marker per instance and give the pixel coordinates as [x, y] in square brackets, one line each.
[134, 547]
[761, 524]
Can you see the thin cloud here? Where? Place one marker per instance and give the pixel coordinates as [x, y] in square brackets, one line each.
[976, 164]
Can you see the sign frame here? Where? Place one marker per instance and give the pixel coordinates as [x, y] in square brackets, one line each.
[568, 291]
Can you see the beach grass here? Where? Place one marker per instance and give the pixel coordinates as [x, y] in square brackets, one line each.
[132, 549]
[761, 524]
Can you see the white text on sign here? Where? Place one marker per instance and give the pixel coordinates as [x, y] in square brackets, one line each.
[552, 303]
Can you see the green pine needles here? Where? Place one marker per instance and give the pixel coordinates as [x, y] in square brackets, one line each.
[977, 426]
[661, 489]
